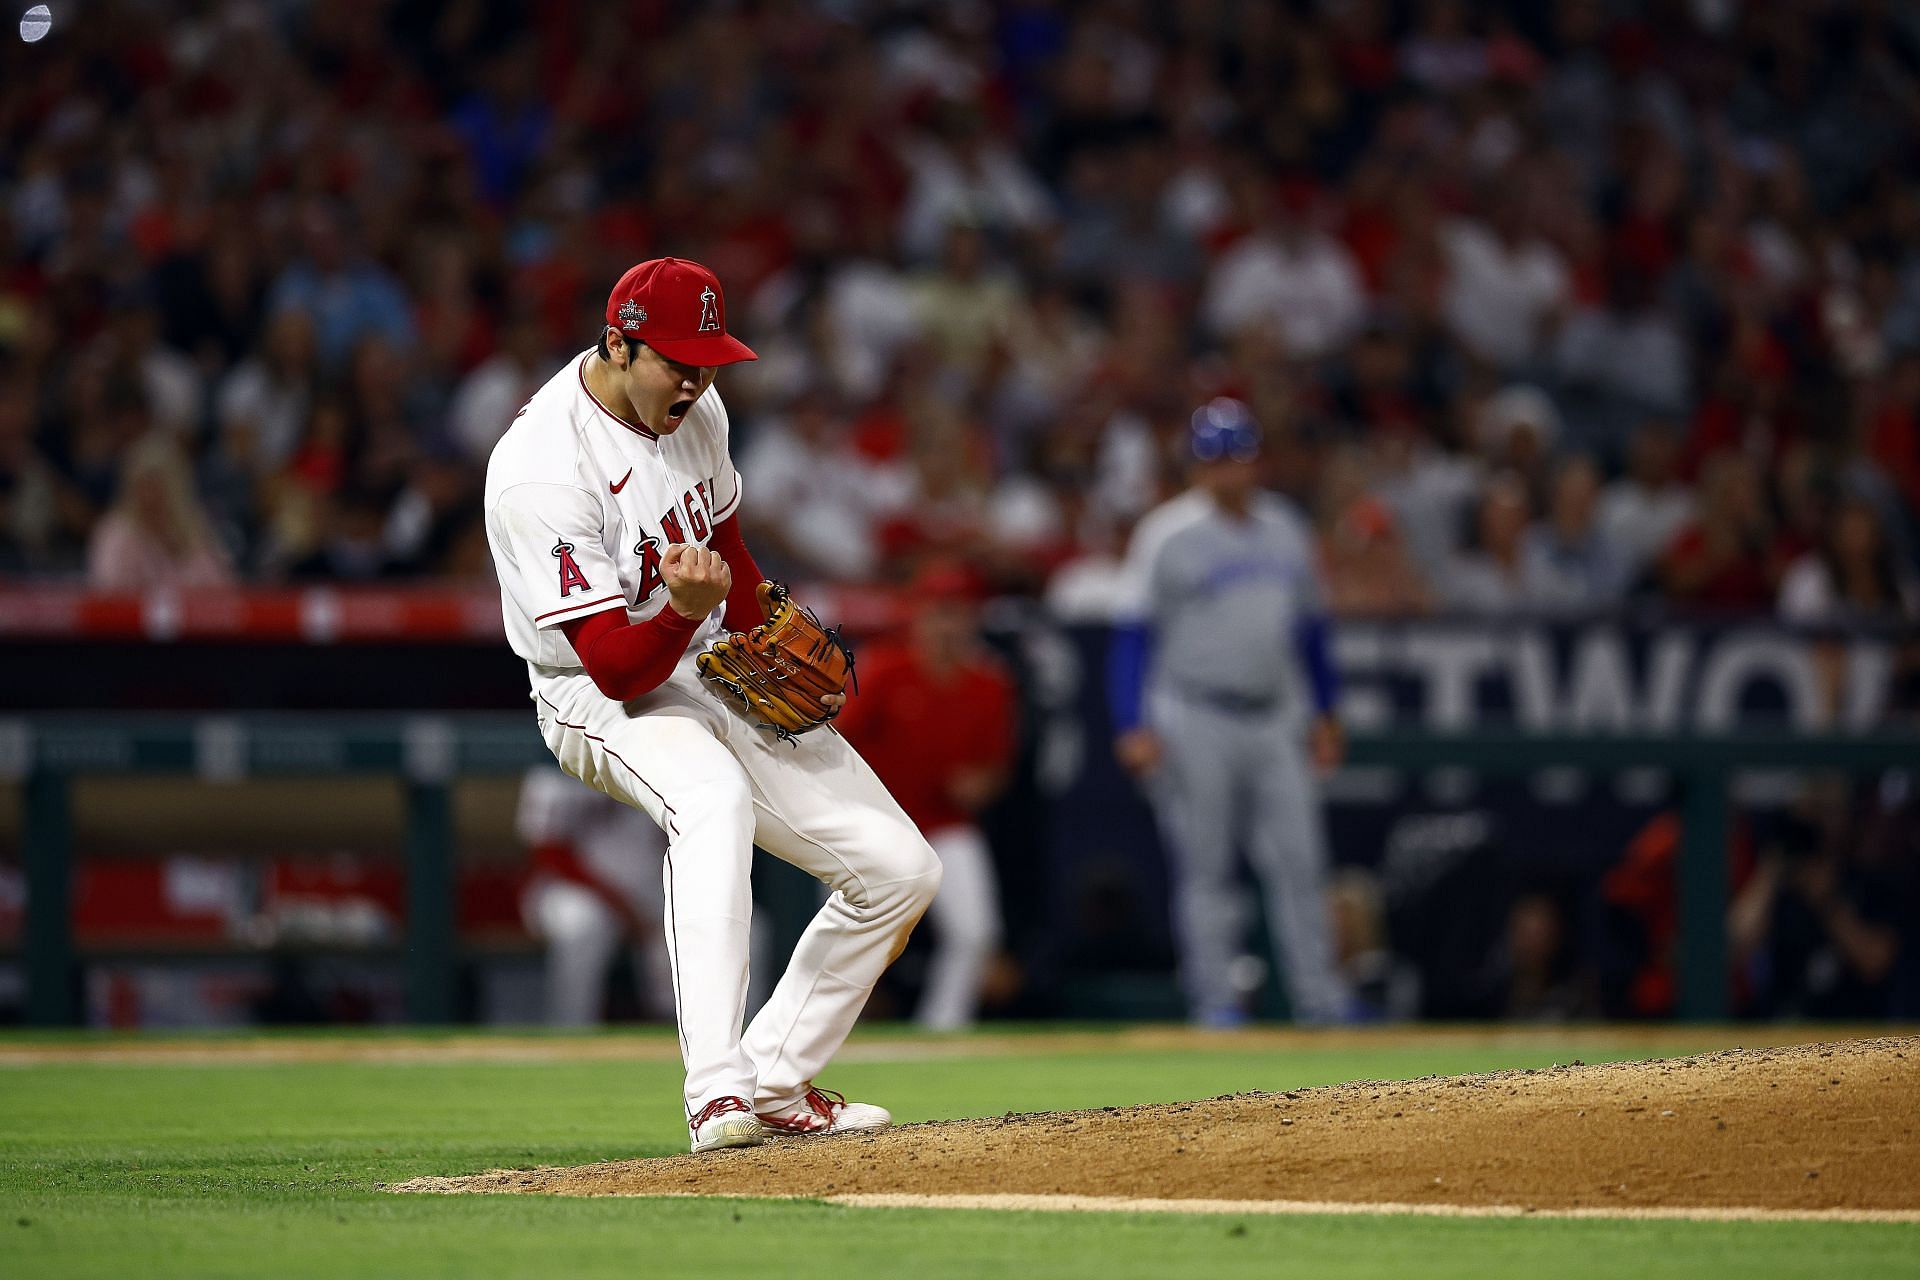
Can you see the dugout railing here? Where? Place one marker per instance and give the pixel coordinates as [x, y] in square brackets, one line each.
[427, 753]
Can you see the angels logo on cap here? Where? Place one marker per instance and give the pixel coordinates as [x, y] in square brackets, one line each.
[677, 308]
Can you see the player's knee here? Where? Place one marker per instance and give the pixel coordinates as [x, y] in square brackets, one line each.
[923, 882]
[912, 875]
[888, 868]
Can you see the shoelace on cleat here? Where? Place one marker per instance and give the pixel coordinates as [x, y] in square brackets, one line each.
[719, 1107]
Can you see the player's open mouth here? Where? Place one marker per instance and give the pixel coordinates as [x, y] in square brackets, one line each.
[678, 410]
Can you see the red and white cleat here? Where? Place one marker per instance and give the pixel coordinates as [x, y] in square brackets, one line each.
[823, 1111]
[726, 1122]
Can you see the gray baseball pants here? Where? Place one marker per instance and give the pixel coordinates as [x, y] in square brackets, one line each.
[1234, 780]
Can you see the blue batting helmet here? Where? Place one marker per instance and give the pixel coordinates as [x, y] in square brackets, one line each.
[1224, 428]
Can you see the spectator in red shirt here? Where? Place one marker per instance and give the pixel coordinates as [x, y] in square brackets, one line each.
[1893, 426]
[934, 716]
[1725, 559]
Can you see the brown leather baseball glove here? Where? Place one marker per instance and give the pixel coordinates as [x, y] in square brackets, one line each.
[781, 671]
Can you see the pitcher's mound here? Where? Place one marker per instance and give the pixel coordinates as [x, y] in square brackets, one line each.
[1811, 1127]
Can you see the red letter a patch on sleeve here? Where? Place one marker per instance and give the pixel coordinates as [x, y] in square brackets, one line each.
[570, 575]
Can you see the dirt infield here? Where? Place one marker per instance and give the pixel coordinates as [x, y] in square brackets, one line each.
[1819, 1127]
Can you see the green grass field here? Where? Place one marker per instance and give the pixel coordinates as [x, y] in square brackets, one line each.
[253, 1169]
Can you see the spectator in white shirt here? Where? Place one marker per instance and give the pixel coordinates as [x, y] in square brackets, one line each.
[1516, 430]
[488, 398]
[268, 396]
[1854, 576]
[171, 382]
[1642, 511]
[1621, 360]
[962, 171]
[817, 501]
[1506, 286]
[1290, 277]
[1568, 556]
[1445, 54]
[1428, 490]
[1497, 576]
[871, 312]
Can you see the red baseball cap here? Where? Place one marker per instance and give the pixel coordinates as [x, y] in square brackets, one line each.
[942, 582]
[676, 307]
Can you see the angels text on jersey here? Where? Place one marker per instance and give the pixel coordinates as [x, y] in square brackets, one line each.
[696, 508]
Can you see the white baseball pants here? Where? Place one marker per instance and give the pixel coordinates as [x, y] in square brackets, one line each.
[966, 928]
[582, 931]
[582, 934]
[718, 786]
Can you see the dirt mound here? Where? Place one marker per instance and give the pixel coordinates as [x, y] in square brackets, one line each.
[1823, 1126]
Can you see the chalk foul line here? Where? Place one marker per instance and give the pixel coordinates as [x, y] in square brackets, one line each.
[1122, 1204]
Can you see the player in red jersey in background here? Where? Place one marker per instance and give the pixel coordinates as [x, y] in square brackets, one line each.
[935, 718]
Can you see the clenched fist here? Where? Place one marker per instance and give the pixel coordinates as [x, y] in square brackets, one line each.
[697, 579]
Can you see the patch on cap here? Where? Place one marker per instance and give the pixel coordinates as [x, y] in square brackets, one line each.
[679, 308]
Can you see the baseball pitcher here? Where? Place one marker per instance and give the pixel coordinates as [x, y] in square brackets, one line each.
[668, 675]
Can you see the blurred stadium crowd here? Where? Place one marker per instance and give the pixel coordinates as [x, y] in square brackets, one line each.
[1542, 306]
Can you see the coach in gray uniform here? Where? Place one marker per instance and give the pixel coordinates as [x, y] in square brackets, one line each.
[1222, 695]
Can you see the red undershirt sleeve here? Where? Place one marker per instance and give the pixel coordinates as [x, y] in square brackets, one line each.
[743, 601]
[626, 660]
[629, 659]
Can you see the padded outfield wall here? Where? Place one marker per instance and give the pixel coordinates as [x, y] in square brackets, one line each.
[1087, 923]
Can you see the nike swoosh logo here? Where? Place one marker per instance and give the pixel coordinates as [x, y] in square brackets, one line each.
[615, 488]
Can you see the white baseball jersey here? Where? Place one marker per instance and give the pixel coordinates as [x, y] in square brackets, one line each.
[580, 509]
[581, 505]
